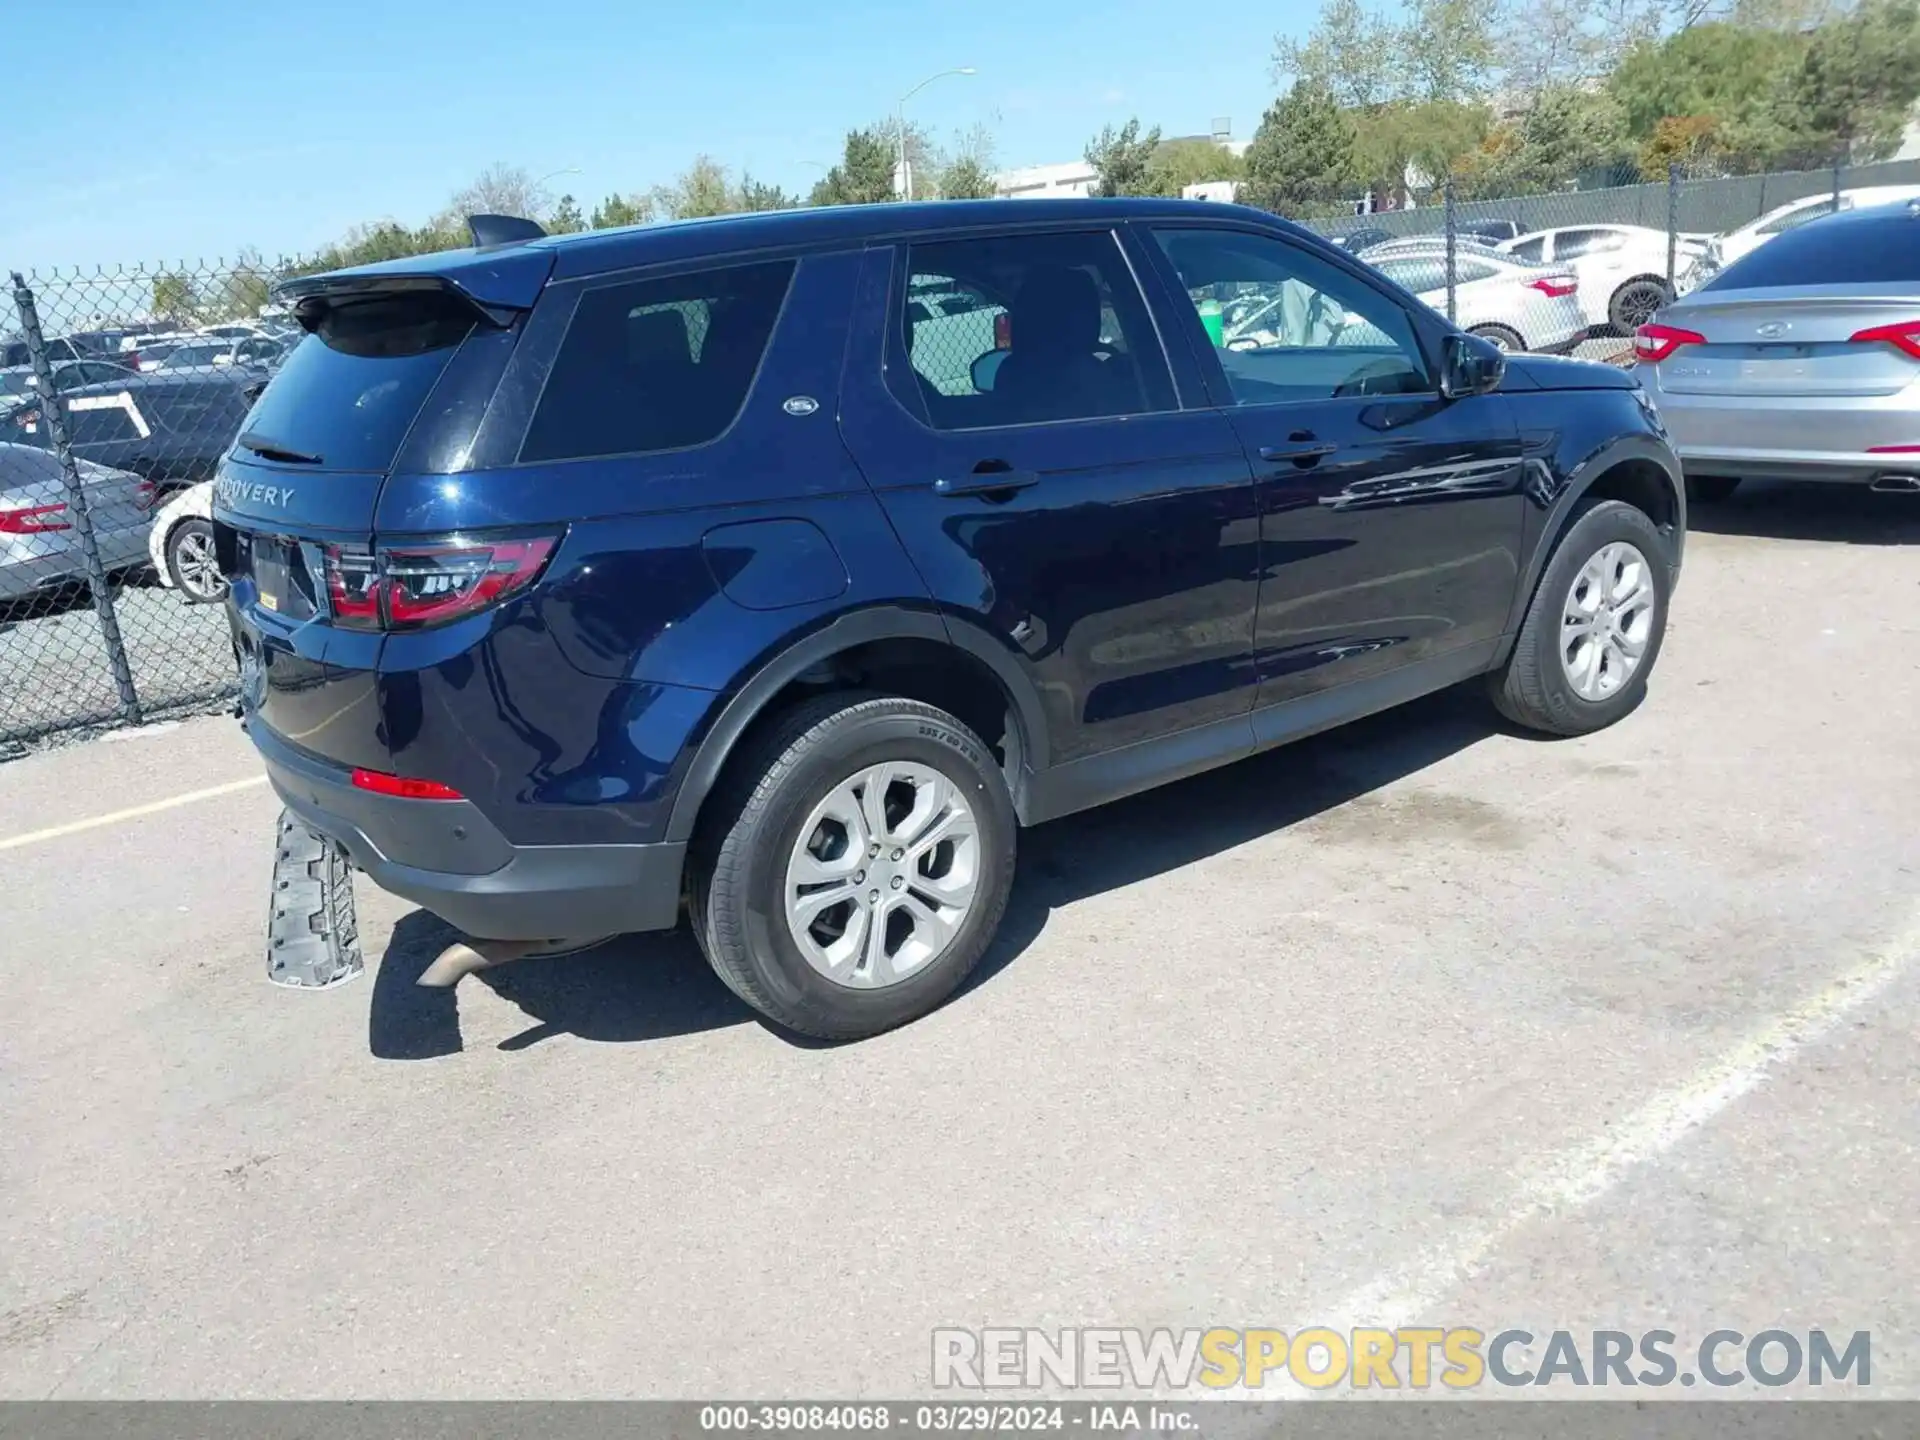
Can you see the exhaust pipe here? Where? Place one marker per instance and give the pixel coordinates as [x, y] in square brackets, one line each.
[464, 957]
[1896, 484]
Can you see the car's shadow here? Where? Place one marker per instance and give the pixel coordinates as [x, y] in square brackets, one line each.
[647, 987]
[1780, 510]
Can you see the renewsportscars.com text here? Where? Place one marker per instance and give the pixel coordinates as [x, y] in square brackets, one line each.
[1453, 1358]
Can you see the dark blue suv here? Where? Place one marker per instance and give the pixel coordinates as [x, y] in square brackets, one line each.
[783, 566]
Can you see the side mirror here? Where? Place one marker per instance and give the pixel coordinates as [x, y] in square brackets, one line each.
[1470, 366]
[984, 369]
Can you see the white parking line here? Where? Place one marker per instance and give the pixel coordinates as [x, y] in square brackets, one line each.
[1577, 1177]
[55, 832]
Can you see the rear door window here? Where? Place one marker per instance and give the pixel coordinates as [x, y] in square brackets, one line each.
[655, 365]
[350, 397]
[1884, 250]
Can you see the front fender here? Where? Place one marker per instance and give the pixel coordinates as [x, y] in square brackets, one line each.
[1556, 482]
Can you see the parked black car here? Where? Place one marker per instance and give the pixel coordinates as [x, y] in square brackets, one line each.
[575, 577]
[171, 430]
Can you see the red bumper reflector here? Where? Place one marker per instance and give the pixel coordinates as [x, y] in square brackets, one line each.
[1893, 449]
[403, 788]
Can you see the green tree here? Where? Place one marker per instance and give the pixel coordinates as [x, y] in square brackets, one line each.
[245, 289]
[1122, 160]
[1855, 85]
[175, 298]
[1180, 163]
[1447, 48]
[1351, 52]
[966, 178]
[1721, 75]
[618, 210]
[566, 218]
[1302, 153]
[752, 194]
[1405, 146]
[703, 188]
[1566, 132]
[864, 175]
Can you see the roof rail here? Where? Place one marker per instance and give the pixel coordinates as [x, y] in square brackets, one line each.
[503, 229]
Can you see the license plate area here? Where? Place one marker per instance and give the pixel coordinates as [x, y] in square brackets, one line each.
[283, 571]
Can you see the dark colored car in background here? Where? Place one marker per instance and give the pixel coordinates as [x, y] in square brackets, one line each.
[577, 578]
[168, 429]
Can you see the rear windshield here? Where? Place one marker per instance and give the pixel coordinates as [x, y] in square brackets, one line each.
[1884, 250]
[350, 394]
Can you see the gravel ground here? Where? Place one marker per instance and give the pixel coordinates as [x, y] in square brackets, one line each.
[1420, 1020]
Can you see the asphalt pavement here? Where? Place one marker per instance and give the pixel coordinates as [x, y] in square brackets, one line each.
[1418, 1021]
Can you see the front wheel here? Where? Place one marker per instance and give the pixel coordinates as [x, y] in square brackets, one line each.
[191, 563]
[1593, 631]
[1637, 302]
[855, 866]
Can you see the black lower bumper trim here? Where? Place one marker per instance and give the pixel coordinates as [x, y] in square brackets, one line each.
[499, 891]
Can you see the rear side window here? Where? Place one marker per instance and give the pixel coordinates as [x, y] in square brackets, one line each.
[350, 397]
[1532, 251]
[658, 364]
[1884, 250]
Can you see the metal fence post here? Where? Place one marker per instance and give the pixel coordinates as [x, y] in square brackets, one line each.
[1839, 164]
[1453, 236]
[1673, 220]
[53, 414]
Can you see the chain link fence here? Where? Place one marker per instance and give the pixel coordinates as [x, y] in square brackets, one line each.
[1575, 272]
[120, 391]
[118, 395]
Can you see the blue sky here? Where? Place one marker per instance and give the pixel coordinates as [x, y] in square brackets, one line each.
[184, 129]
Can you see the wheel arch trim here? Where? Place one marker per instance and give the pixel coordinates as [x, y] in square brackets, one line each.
[843, 633]
[1621, 450]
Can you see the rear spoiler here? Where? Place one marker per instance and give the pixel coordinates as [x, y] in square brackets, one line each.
[499, 282]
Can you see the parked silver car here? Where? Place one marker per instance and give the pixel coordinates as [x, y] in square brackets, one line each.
[1516, 305]
[39, 547]
[1800, 361]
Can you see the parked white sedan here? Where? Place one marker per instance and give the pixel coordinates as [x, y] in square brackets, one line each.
[181, 545]
[1722, 250]
[1622, 268]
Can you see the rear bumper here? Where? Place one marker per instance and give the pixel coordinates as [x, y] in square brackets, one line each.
[447, 857]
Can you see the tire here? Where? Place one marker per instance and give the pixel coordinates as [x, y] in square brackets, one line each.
[1534, 687]
[1636, 302]
[189, 552]
[751, 834]
[1712, 489]
[1507, 339]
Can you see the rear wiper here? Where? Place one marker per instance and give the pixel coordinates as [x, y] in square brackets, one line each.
[273, 450]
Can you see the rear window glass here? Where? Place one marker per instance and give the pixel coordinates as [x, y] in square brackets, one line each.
[351, 396]
[656, 365]
[1884, 250]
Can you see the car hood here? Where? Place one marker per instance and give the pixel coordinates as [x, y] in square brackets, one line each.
[1559, 372]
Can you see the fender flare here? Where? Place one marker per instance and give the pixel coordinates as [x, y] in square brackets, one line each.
[1559, 511]
[860, 627]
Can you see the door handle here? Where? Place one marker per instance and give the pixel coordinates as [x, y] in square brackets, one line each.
[1299, 454]
[986, 482]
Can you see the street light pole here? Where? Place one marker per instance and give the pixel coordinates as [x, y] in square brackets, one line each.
[900, 123]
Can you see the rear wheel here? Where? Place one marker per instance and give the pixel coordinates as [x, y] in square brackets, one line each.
[1500, 335]
[191, 563]
[1637, 302]
[1711, 489]
[856, 865]
[1593, 631]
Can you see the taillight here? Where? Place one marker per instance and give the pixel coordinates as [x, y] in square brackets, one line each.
[131, 359]
[378, 782]
[409, 587]
[1003, 331]
[1654, 343]
[1904, 337]
[353, 588]
[33, 520]
[1554, 285]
